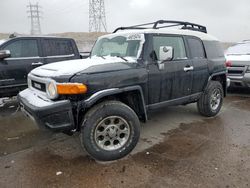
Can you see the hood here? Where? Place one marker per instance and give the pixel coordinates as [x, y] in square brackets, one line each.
[239, 59]
[2, 41]
[71, 67]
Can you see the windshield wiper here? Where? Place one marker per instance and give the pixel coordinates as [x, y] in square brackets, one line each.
[123, 58]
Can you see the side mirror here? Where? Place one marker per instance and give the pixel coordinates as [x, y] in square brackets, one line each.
[4, 54]
[166, 53]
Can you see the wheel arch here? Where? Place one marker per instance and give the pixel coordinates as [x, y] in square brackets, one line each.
[220, 77]
[131, 96]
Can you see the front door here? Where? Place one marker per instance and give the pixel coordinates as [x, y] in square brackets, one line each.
[24, 57]
[177, 74]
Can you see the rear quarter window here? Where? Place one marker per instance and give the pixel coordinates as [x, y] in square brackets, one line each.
[213, 49]
[57, 47]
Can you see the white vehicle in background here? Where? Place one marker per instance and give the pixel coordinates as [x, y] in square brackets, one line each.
[238, 64]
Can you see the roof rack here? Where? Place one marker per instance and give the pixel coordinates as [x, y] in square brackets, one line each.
[168, 23]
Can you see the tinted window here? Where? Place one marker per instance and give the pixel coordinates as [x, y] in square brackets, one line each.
[23, 48]
[213, 49]
[196, 48]
[55, 47]
[176, 42]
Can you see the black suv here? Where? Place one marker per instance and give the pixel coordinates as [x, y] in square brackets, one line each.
[19, 55]
[129, 73]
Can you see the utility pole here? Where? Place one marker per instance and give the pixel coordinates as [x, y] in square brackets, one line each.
[97, 16]
[35, 16]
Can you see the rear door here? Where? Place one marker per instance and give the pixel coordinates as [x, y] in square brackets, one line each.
[200, 63]
[24, 57]
[55, 50]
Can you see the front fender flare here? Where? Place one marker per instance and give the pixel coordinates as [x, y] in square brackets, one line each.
[113, 91]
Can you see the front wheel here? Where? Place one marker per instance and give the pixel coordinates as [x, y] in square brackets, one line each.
[211, 100]
[110, 131]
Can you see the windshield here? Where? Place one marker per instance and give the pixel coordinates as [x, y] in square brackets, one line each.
[119, 46]
[239, 49]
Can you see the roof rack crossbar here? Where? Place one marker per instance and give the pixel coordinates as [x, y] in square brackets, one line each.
[166, 26]
[128, 28]
[186, 25]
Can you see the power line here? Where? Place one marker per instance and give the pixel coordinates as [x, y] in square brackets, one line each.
[97, 16]
[35, 16]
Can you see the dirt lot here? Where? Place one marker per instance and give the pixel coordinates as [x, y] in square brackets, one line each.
[178, 148]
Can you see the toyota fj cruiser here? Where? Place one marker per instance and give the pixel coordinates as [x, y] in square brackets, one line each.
[129, 73]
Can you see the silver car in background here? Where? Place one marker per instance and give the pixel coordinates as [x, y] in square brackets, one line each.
[238, 64]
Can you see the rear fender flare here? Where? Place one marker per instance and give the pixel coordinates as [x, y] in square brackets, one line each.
[222, 73]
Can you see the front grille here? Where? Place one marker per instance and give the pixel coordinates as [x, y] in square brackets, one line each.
[236, 70]
[39, 86]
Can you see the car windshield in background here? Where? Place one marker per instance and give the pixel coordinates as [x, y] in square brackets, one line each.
[239, 49]
[118, 46]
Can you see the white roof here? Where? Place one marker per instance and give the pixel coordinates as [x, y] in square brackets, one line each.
[201, 35]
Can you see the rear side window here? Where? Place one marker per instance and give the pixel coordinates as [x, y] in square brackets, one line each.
[23, 48]
[55, 47]
[176, 42]
[196, 48]
[213, 49]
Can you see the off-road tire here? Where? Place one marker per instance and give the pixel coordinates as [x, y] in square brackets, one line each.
[92, 120]
[204, 103]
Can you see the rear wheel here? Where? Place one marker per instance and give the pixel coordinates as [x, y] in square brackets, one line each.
[211, 100]
[110, 131]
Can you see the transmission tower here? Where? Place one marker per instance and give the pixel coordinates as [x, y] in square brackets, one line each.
[35, 16]
[97, 16]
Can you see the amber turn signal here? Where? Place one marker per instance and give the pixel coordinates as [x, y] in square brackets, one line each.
[71, 89]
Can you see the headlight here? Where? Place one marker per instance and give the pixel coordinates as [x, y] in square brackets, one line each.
[52, 90]
[55, 89]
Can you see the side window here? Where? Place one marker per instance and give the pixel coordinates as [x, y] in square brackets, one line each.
[176, 42]
[213, 49]
[23, 48]
[196, 48]
[55, 47]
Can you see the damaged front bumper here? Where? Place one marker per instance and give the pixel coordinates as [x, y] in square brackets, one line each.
[55, 115]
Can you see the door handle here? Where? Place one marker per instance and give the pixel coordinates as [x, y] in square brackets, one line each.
[189, 68]
[37, 64]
